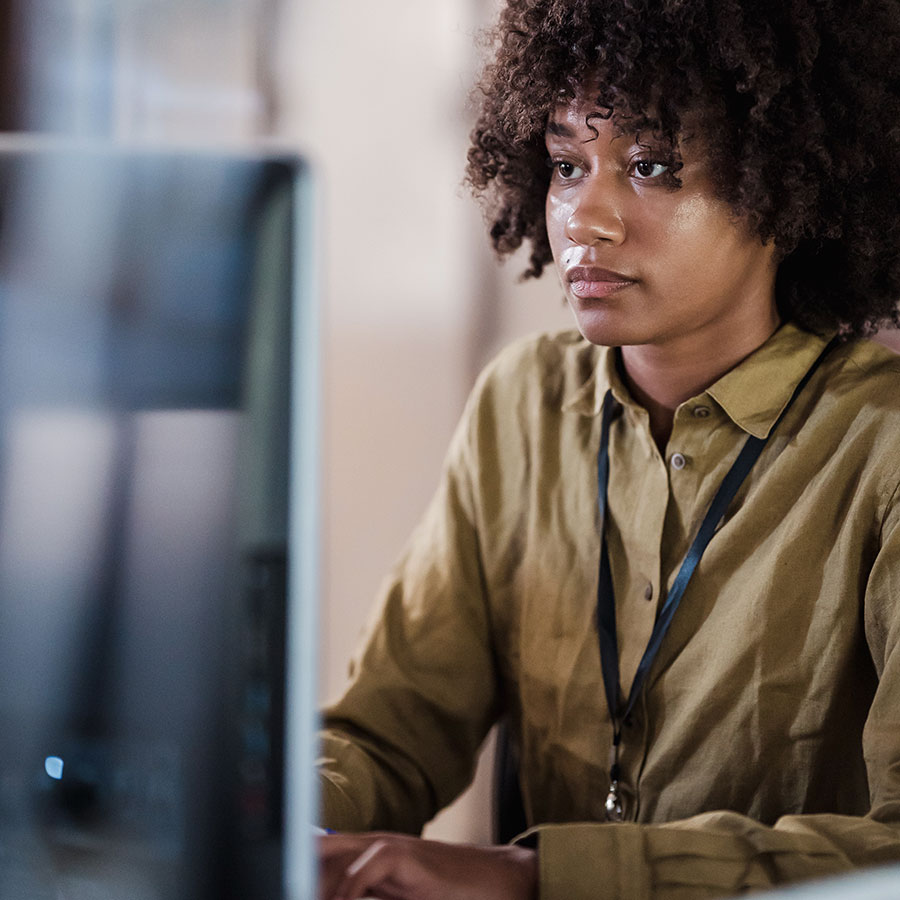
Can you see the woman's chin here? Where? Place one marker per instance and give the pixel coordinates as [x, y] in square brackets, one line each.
[608, 328]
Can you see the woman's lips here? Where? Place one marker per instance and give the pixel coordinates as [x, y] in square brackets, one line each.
[587, 282]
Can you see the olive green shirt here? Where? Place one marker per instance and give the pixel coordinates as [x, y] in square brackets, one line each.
[766, 746]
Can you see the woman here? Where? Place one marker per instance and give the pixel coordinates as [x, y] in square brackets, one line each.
[666, 547]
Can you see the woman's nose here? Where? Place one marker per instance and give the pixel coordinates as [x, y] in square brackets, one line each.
[595, 216]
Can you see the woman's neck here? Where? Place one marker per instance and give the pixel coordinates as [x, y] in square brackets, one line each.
[662, 376]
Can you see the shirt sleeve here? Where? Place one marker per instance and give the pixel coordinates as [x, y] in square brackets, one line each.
[402, 742]
[721, 853]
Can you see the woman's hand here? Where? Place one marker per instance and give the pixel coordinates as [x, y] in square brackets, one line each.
[397, 867]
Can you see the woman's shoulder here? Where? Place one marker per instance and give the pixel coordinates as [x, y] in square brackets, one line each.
[542, 347]
[525, 389]
[550, 364]
[862, 412]
[870, 369]
[871, 355]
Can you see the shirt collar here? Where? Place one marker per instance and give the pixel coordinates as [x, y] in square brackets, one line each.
[753, 394]
[587, 398]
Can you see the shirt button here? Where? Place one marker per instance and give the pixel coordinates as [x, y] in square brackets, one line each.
[701, 412]
[678, 461]
[648, 592]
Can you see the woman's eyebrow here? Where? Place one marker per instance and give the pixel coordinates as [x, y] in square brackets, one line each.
[559, 129]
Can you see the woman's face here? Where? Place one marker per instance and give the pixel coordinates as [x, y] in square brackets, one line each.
[642, 260]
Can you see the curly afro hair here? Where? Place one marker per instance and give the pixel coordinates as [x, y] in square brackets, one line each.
[800, 107]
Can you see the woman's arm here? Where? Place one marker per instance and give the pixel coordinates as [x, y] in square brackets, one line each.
[403, 740]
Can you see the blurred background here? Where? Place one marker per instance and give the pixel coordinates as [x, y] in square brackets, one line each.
[413, 302]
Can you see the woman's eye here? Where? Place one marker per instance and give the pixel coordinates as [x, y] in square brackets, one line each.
[566, 170]
[647, 168]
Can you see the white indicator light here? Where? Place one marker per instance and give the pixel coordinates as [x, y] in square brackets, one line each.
[53, 766]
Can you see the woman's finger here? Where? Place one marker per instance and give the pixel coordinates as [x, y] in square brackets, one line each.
[377, 872]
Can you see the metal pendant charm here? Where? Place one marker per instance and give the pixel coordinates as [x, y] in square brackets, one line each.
[615, 812]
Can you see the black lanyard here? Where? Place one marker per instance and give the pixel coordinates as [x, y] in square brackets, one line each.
[606, 603]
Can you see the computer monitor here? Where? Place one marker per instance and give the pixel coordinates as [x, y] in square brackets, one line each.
[158, 435]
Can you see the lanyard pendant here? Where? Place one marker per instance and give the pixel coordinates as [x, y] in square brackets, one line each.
[614, 808]
[615, 812]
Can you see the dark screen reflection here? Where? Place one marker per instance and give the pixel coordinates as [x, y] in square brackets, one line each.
[144, 327]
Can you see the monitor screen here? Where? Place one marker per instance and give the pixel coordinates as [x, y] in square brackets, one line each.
[151, 321]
